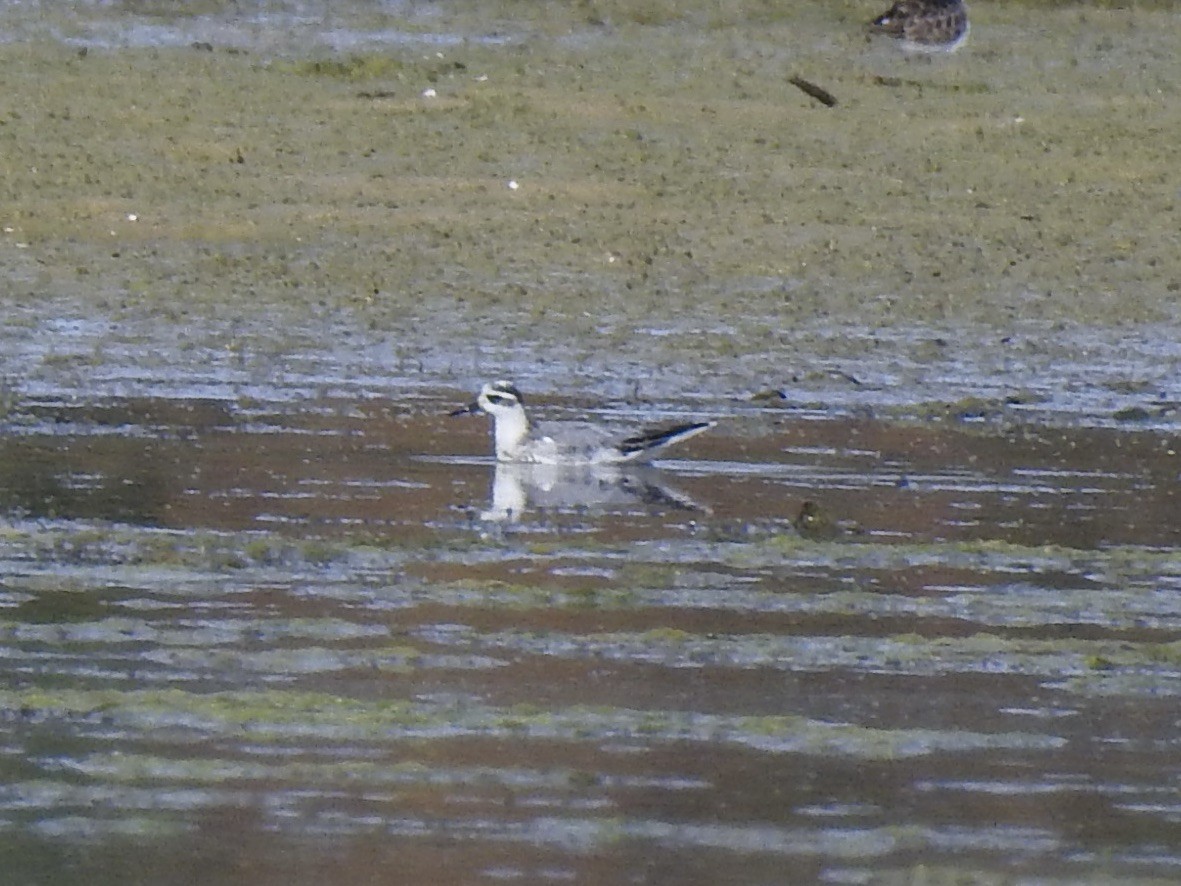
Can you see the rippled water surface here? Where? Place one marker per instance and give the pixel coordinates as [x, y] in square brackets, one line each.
[911, 613]
[256, 642]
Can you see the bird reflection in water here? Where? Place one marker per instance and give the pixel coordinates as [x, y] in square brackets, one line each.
[518, 488]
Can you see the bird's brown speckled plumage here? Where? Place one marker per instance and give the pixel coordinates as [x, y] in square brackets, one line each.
[925, 25]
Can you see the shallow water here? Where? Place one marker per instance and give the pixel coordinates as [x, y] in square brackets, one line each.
[270, 616]
[271, 642]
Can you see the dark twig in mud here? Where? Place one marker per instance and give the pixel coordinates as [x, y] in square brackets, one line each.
[819, 93]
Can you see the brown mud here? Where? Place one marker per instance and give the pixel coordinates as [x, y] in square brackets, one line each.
[683, 218]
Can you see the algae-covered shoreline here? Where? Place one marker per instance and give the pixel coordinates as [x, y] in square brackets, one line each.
[997, 220]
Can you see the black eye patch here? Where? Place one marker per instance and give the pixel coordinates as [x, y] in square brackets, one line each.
[500, 399]
[507, 390]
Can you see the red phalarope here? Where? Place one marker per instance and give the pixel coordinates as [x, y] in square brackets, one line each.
[925, 25]
[566, 443]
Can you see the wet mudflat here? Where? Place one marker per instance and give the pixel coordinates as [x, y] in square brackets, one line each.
[908, 614]
[259, 643]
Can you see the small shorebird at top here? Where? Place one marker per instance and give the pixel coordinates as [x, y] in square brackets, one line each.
[566, 443]
[925, 25]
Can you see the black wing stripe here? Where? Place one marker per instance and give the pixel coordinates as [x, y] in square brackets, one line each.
[651, 439]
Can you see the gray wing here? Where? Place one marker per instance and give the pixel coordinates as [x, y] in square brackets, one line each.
[575, 439]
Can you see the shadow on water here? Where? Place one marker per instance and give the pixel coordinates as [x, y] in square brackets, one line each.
[319, 641]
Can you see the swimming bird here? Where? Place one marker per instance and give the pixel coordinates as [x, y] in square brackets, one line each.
[566, 443]
[925, 25]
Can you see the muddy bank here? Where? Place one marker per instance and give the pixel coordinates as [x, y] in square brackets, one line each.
[999, 220]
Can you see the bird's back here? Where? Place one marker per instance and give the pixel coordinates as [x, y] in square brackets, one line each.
[561, 442]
